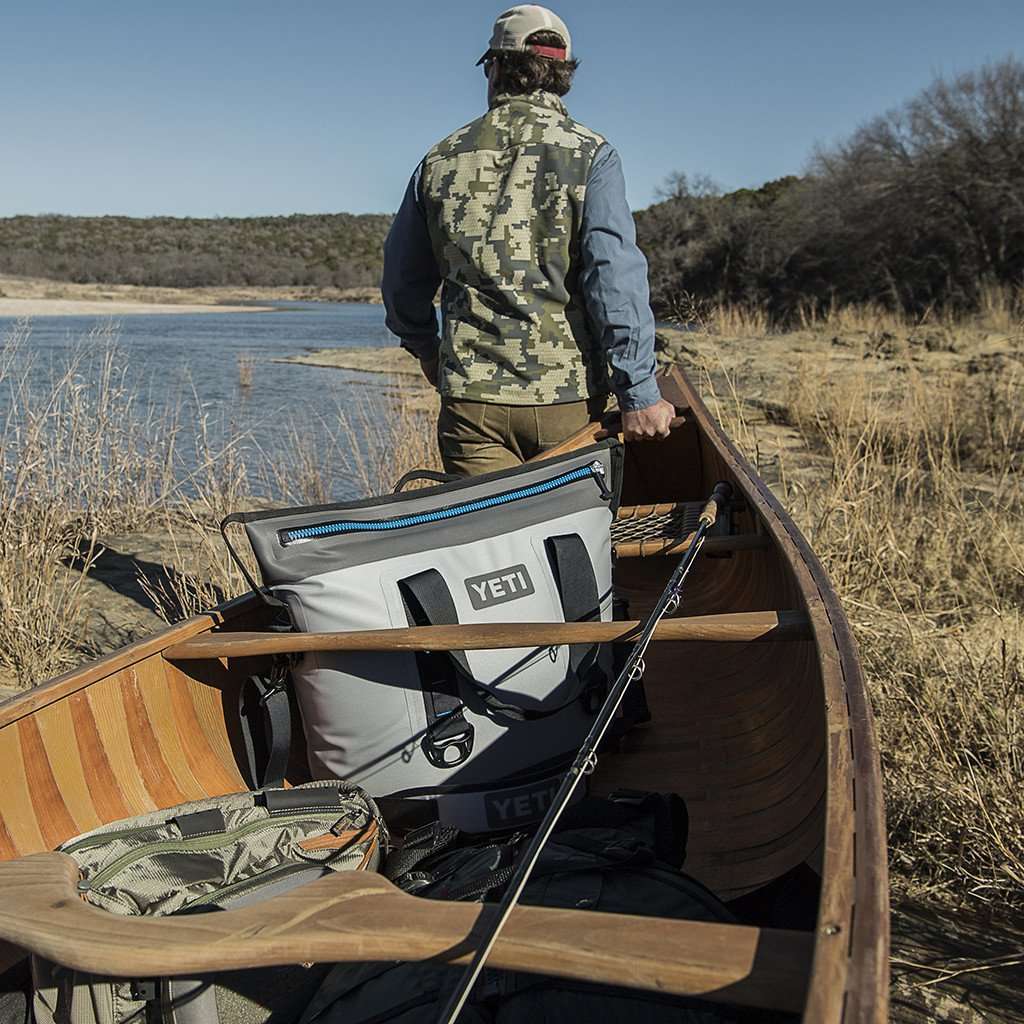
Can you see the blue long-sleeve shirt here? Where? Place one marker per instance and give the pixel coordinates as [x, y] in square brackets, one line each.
[613, 278]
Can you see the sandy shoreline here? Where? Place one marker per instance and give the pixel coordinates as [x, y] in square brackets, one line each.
[393, 361]
[38, 296]
[103, 308]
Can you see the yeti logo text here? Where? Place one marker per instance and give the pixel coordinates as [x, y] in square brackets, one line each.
[518, 806]
[491, 588]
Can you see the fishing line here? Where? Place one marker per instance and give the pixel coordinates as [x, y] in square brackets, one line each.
[586, 759]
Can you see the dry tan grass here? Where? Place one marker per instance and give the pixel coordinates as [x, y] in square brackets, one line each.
[394, 444]
[1000, 309]
[868, 317]
[81, 460]
[912, 496]
[373, 443]
[721, 318]
[70, 467]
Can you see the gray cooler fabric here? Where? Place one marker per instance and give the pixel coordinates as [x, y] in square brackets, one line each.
[484, 733]
[208, 855]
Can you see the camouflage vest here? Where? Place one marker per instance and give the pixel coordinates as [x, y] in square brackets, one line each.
[503, 198]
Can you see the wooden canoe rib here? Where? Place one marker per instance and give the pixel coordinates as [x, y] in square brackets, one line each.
[759, 720]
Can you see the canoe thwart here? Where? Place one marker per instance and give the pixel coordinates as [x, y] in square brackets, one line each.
[738, 627]
[359, 916]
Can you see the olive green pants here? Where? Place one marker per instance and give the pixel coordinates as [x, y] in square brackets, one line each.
[481, 437]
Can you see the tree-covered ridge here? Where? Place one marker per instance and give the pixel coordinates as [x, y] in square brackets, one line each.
[342, 249]
[920, 209]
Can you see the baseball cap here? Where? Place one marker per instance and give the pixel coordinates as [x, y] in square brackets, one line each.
[517, 24]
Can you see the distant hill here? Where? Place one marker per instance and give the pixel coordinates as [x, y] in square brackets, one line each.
[340, 249]
[919, 210]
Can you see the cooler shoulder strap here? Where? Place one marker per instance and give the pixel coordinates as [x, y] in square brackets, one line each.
[448, 740]
[265, 717]
[577, 590]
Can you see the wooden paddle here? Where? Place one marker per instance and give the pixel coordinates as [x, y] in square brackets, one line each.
[359, 915]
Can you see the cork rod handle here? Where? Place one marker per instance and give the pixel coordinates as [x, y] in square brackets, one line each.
[719, 498]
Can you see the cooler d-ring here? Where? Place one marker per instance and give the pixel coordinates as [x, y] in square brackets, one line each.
[452, 735]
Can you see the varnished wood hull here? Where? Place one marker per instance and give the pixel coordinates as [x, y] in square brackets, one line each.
[770, 742]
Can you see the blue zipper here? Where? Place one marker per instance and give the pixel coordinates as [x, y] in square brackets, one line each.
[594, 470]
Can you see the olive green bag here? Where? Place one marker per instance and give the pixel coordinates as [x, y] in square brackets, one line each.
[209, 855]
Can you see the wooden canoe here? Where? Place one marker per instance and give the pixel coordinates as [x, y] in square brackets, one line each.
[760, 721]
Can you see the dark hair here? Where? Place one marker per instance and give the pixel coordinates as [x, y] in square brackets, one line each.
[523, 72]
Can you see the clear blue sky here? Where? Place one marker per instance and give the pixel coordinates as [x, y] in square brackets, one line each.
[232, 109]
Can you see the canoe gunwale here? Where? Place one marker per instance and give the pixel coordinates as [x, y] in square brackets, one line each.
[59, 688]
[850, 975]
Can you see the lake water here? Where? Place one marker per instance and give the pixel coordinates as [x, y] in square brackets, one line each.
[189, 363]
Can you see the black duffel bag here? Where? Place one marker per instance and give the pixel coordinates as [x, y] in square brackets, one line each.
[617, 855]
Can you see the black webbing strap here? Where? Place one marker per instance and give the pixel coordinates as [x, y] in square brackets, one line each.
[266, 721]
[576, 583]
[404, 813]
[448, 740]
[577, 589]
[429, 602]
[261, 592]
[419, 844]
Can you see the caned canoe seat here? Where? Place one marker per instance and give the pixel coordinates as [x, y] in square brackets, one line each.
[359, 915]
[640, 531]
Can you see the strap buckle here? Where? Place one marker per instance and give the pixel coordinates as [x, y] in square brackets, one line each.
[272, 690]
[437, 748]
[143, 990]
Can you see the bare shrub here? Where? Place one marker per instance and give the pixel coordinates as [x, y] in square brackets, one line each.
[920, 211]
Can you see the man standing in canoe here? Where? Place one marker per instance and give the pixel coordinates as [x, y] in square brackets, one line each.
[522, 217]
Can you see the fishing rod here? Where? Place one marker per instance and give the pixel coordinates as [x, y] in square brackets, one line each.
[586, 759]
